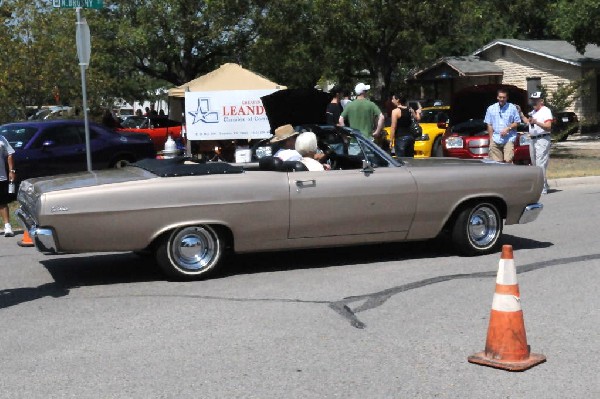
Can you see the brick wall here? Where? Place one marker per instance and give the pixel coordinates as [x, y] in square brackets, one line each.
[519, 65]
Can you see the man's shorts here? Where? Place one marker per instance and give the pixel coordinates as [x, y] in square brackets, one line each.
[5, 197]
[502, 153]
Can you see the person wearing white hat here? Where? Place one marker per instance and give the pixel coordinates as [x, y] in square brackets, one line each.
[540, 126]
[362, 114]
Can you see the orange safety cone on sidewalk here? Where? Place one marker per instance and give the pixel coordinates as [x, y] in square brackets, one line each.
[506, 345]
[26, 241]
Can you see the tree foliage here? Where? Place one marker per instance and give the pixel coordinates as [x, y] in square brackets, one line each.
[139, 46]
[291, 43]
[578, 21]
[176, 41]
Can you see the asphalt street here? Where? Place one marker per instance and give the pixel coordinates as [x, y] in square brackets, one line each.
[382, 321]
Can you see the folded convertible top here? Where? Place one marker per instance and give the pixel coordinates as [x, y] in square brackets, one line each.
[182, 166]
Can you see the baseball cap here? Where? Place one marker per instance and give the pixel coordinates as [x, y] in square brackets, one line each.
[536, 95]
[361, 88]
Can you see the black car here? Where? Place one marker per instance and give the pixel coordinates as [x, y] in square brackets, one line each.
[563, 125]
[44, 148]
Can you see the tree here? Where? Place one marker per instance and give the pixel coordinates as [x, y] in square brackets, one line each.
[578, 21]
[43, 69]
[291, 45]
[176, 41]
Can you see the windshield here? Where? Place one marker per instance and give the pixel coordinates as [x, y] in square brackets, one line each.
[17, 136]
[134, 122]
[433, 116]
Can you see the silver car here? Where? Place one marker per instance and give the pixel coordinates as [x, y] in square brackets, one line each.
[190, 214]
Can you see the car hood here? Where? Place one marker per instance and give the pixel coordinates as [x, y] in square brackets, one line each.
[472, 102]
[296, 107]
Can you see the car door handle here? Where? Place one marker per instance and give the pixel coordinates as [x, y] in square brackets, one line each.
[306, 183]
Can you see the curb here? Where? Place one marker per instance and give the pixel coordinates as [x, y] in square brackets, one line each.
[573, 181]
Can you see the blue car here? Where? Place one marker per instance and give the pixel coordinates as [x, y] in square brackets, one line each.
[44, 148]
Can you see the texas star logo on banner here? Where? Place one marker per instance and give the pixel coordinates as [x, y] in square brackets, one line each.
[226, 115]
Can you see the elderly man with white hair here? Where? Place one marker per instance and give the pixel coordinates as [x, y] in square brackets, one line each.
[306, 145]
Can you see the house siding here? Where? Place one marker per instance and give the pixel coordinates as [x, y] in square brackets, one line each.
[519, 65]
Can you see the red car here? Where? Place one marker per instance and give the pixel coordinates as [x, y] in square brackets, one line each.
[157, 127]
[466, 135]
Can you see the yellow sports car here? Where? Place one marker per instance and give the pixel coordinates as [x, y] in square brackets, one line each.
[433, 121]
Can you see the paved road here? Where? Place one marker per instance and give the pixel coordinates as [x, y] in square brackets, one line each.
[386, 321]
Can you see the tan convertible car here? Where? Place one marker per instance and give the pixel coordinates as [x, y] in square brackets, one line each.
[190, 214]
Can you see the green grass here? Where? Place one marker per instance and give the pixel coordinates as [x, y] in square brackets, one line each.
[573, 163]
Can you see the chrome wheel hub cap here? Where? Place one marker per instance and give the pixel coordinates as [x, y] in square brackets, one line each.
[194, 248]
[483, 226]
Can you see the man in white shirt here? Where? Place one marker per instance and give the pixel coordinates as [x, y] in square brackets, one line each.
[540, 125]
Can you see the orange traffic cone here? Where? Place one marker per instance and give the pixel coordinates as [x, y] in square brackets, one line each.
[506, 345]
[26, 241]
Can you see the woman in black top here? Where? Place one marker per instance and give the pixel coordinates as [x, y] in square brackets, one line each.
[404, 145]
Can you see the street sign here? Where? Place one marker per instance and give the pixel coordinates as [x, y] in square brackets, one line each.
[82, 38]
[78, 3]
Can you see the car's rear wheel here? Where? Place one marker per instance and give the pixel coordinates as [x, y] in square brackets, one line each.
[190, 252]
[436, 149]
[477, 229]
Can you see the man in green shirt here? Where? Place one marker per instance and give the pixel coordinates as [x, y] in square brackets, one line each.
[362, 114]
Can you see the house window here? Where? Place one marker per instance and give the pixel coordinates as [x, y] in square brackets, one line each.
[533, 84]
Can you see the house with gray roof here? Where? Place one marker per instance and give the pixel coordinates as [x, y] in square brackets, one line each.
[524, 63]
[450, 74]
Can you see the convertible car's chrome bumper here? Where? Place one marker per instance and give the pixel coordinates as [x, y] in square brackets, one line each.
[530, 213]
[43, 239]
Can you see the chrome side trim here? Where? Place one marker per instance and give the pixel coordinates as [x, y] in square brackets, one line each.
[43, 238]
[530, 213]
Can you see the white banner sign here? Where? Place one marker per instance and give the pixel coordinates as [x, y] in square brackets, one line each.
[226, 115]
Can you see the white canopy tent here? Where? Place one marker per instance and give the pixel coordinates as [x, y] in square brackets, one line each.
[227, 77]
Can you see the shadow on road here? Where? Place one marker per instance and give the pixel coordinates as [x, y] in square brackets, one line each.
[102, 269]
[329, 257]
[79, 271]
[523, 243]
[15, 296]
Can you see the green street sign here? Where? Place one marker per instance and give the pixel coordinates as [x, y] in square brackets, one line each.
[78, 3]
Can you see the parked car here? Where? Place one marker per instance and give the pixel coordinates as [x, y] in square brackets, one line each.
[564, 124]
[466, 135]
[433, 121]
[157, 127]
[52, 112]
[44, 148]
[366, 197]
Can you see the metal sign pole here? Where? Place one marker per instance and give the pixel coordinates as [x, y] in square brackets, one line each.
[82, 66]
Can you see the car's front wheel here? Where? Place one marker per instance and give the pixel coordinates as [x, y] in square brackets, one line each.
[190, 252]
[477, 229]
